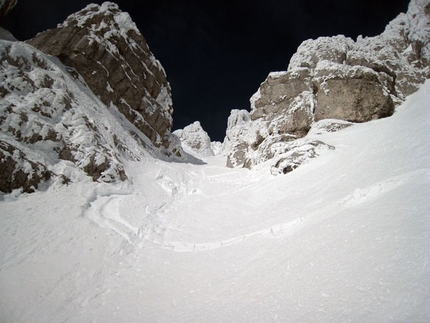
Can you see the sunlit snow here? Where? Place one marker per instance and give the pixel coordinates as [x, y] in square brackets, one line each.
[343, 238]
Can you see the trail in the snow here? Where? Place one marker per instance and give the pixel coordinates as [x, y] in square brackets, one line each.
[191, 207]
[175, 194]
[344, 238]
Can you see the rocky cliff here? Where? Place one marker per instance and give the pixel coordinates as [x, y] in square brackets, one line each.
[331, 78]
[105, 47]
[98, 99]
[195, 139]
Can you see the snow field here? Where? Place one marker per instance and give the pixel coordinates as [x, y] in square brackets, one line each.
[343, 238]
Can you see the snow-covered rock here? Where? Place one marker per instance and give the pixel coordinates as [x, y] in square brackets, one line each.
[18, 172]
[56, 122]
[195, 138]
[334, 78]
[104, 45]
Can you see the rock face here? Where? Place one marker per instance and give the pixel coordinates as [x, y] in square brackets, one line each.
[53, 126]
[196, 139]
[18, 172]
[332, 78]
[107, 50]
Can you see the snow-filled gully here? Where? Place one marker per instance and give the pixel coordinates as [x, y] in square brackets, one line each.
[150, 225]
[343, 238]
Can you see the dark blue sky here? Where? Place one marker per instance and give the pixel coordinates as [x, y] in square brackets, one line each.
[216, 53]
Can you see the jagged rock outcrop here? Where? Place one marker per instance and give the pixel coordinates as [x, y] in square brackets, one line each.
[53, 127]
[332, 78]
[195, 138]
[105, 47]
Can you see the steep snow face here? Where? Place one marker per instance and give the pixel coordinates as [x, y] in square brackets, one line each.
[344, 238]
[104, 45]
[333, 78]
[52, 124]
[6, 35]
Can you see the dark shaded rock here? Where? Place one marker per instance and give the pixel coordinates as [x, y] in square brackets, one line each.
[18, 172]
[53, 122]
[104, 46]
[6, 6]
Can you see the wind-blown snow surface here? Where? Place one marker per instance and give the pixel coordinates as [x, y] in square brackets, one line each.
[343, 238]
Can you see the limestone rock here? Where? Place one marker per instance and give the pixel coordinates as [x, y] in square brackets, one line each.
[105, 47]
[195, 138]
[333, 78]
[18, 172]
[53, 124]
[64, 123]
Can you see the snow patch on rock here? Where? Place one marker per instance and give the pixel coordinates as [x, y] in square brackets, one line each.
[195, 138]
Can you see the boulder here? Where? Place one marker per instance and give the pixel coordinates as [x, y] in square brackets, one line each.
[196, 139]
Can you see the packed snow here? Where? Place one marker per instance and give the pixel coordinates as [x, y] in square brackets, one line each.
[343, 238]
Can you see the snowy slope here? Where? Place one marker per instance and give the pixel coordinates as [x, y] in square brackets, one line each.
[344, 238]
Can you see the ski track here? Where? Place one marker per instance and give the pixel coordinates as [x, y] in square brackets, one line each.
[362, 195]
[344, 238]
[154, 230]
[105, 211]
